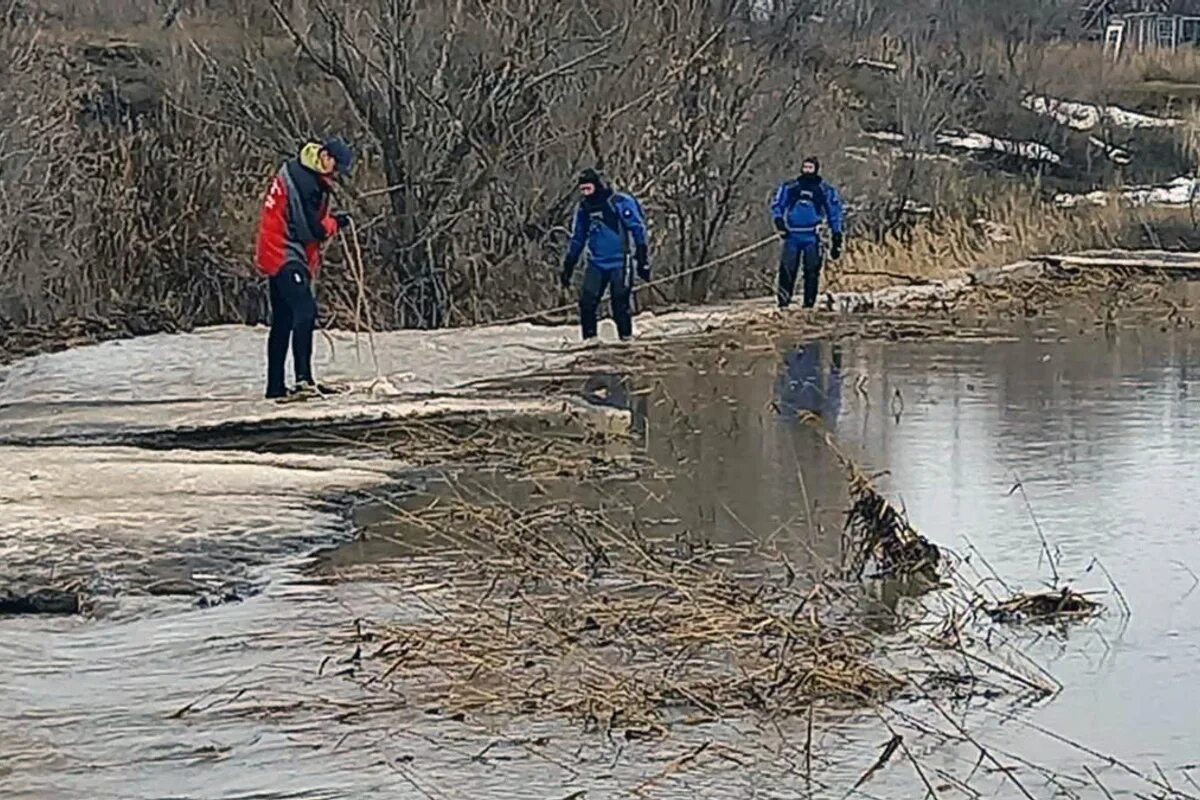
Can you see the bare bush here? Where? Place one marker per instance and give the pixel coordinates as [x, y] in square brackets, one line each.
[135, 162]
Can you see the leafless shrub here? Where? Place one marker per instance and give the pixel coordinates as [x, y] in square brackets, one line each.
[138, 137]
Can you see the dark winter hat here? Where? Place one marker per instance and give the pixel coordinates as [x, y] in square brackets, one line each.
[591, 176]
[343, 156]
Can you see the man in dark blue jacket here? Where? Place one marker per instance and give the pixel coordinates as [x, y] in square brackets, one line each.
[799, 207]
[605, 221]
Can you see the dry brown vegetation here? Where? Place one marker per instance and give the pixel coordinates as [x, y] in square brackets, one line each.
[584, 629]
[138, 136]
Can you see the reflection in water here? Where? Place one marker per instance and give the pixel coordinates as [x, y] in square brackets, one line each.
[729, 467]
[1102, 431]
[614, 390]
[803, 384]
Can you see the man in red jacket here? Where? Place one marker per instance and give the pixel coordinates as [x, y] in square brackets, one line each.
[295, 221]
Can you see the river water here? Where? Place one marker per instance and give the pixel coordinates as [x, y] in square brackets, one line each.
[155, 698]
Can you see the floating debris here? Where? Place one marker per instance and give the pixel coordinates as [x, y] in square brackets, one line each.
[877, 533]
[549, 608]
[41, 601]
[1063, 605]
[881, 535]
[615, 629]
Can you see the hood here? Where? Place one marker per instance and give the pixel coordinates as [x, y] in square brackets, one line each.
[310, 157]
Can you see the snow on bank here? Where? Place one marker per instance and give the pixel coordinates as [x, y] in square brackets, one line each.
[875, 64]
[1118, 155]
[1033, 151]
[929, 296]
[1179, 192]
[212, 379]
[1085, 117]
[979, 142]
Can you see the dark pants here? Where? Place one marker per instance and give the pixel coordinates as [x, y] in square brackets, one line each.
[293, 317]
[790, 260]
[595, 283]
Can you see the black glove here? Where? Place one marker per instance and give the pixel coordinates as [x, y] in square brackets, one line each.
[779, 226]
[342, 219]
[641, 258]
[568, 269]
[835, 252]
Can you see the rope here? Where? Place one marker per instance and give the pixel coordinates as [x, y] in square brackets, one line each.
[354, 259]
[361, 308]
[360, 300]
[750, 248]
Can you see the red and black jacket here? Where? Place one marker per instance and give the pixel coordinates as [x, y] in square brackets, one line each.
[295, 216]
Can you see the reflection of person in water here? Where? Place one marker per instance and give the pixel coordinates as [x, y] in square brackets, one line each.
[802, 387]
[612, 390]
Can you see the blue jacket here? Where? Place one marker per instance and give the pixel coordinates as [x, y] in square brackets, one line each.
[801, 206]
[606, 231]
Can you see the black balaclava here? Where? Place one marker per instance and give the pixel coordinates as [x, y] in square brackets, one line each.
[815, 175]
[599, 197]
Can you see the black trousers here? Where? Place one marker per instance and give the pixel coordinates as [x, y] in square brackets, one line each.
[619, 282]
[808, 255]
[293, 318]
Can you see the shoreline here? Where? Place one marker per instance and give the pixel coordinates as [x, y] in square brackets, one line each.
[20, 343]
[162, 388]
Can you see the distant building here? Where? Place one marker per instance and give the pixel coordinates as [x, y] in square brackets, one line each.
[1139, 26]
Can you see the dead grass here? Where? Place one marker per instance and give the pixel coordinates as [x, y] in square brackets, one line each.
[556, 609]
[1008, 229]
[1151, 81]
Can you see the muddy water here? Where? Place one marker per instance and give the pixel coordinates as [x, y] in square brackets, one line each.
[1101, 431]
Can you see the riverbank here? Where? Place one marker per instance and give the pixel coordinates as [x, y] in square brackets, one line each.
[174, 406]
[174, 234]
[690, 471]
[179, 387]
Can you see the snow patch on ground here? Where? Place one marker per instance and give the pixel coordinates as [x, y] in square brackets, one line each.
[876, 64]
[980, 142]
[1085, 116]
[1033, 151]
[1178, 192]
[1118, 155]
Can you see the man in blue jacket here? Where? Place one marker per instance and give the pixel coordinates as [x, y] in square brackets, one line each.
[799, 207]
[605, 221]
